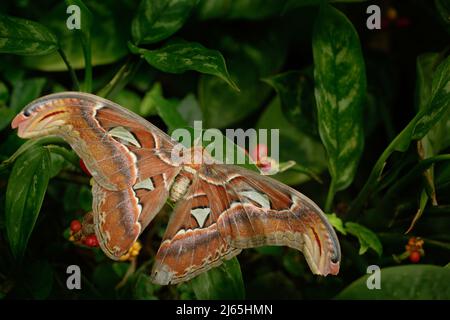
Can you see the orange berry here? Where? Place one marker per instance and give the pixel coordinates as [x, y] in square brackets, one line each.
[391, 13]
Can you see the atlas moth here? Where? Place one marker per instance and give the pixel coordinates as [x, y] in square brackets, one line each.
[219, 209]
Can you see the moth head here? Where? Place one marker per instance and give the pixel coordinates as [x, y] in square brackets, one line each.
[41, 117]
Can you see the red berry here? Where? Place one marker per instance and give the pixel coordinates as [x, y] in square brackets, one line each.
[385, 23]
[75, 226]
[91, 241]
[83, 167]
[259, 152]
[403, 22]
[414, 257]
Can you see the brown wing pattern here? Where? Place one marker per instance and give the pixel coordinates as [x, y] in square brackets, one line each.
[127, 156]
[192, 242]
[241, 209]
[220, 209]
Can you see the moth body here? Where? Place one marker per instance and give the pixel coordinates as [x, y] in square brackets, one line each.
[179, 187]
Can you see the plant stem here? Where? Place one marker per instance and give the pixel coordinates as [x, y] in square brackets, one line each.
[65, 153]
[400, 143]
[73, 76]
[330, 197]
[414, 172]
[121, 78]
[86, 44]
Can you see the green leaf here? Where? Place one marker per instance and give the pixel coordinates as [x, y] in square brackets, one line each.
[337, 223]
[157, 20]
[413, 282]
[6, 115]
[150, 100]
[422, 203]
[39, 279]
[340, 92]
[439, 101]
[232, 9]
[25, 37]
[443, 9]
[26, 91]
[129, 100]
[4, 94]
[165, 108]
[24, 196]
[182, 56]
[294, 145]
[437, 138]
[436, 109]
[190, 109]
[143, 288]
[107, 275]
[109, 35]
[296, 92]
[248, 62]
[223, 282]
[367, 239]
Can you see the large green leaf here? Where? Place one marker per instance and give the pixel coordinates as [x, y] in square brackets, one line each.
[181, 56]
[38, 279]
[223, 282]
[439, 100]
[24, 91]
[296, 92]
[413, 282]
[24, 195]
[157, 20]
[437, 105]
[232, 9]
[248, 62]
[109, 35]
[438, 137]
[443, 9]
[340, 79]
[25, 37]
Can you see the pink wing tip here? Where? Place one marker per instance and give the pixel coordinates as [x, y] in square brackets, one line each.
[18, 120]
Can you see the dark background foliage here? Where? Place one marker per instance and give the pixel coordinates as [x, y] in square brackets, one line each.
[275, 53]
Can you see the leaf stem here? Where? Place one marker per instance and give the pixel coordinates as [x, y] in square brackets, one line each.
[400, 143]
[121, 78]
[330, 197]
[73, 75]
[68, 155]
[86, 44]
[414, 172]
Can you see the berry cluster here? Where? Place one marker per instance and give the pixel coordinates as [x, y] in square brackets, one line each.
[76, 236]
[413, 251]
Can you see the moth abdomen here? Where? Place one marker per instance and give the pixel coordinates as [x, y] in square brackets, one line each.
[179, 187]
